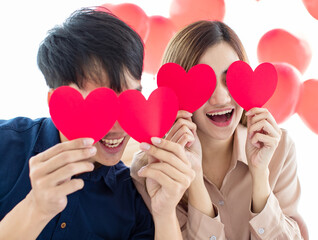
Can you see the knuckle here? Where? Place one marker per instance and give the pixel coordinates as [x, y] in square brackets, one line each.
[86, 153]
[153, 150]
[60, 147]
[71, 168]
[34, 172]
[39, 183]
[32, 161]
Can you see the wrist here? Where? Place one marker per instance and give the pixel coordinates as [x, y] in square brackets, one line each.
[34, 210]
[163, 219]
[197, 186]
[260, 174]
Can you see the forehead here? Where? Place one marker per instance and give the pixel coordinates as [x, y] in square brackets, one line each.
[219, 57]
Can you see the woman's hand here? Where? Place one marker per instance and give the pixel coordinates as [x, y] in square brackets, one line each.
[184, 126]
[263, 136]
[168, 173]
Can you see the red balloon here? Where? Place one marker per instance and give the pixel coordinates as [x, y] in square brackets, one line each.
[184, 12]
[161, 30]
[279, 45]
[131, 14]
[307, 107]
[284, 100]
[312, 7]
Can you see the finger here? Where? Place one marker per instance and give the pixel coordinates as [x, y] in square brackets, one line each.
[182, 131]
[171, 172]
[61, 147]
[184, 114]
[265, 140]
[160, 177]
[179, 124]
[70, 187]
[67, 157]
[265, 114]
[163, 149]
[67, 172]
[164, 156]
[254, 111]
[262, 126]
[186, 140]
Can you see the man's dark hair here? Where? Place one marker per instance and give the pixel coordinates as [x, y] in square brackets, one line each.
[89, 44]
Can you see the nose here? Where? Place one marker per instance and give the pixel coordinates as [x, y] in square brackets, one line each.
[116, 127]
[221, 95]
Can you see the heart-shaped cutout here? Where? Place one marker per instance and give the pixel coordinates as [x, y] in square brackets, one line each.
[251, 89]
[143, 119]
[193, 89]
[77, 117]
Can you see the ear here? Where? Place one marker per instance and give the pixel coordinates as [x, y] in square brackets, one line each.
[49, 94]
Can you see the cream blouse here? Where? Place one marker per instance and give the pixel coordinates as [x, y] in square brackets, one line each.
[232, 202]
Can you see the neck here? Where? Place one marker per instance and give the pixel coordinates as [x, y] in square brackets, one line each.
[216, 157]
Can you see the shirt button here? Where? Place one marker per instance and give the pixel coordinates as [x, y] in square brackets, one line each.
[261, 230]
[221, 203]
[213, 238]
[63, 225]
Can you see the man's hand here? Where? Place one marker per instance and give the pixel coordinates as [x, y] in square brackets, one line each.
[51, 172]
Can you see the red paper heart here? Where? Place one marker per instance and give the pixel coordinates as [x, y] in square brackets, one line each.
[143, 119]
[251, 89]
[193, 89]
[78, 118]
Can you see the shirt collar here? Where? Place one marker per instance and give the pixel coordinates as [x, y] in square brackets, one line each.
[107, 173]
[239, 142]
[48, 136]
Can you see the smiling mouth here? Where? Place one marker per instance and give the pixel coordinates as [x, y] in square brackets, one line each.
[112, 143]
[222, 116]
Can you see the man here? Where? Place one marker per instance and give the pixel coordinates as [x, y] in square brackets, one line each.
[52, 188]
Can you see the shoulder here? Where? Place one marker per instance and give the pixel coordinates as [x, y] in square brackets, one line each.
[20, 124]
[284, 156]
[286, 145]
[19, 133]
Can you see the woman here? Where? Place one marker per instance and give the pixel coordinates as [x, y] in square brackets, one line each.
[246, 184]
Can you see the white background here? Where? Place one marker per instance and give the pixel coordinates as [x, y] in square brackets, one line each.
[23, 25]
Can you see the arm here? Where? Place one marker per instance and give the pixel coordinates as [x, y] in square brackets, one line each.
[50, 174]
[271, 211]
[168, 174]
[200, 219]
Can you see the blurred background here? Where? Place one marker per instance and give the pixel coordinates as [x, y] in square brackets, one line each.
[271, 30]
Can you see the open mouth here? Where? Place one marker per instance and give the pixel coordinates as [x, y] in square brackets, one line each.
[222, 118]
[112, 143]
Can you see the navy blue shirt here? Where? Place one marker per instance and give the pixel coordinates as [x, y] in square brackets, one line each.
[108, 207]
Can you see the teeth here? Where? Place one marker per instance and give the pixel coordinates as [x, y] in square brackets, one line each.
[219, 113]
[112, 143]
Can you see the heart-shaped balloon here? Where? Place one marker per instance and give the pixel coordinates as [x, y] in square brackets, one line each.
[143, 119]
[193, 89]
[251, 89]
[278, 45]
[77, 117]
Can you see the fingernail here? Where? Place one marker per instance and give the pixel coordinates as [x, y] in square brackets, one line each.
[88, 141]
[247, 113]
[189, 114]
[141, 170]
[156, 140]
[92, 150]
[144, 146]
